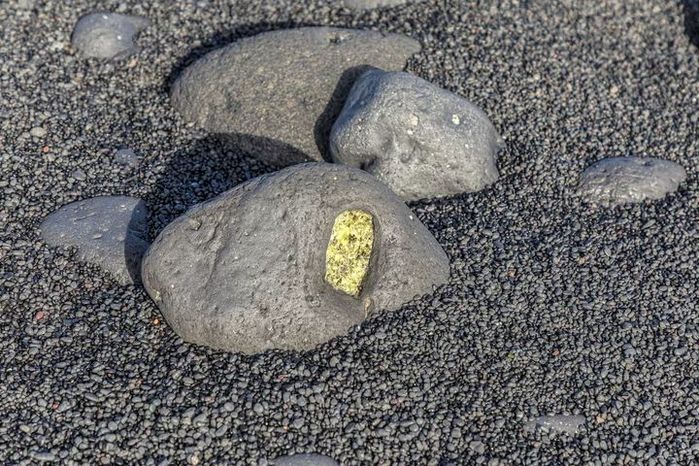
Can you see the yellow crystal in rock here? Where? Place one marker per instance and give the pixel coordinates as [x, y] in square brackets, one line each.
[349, 251]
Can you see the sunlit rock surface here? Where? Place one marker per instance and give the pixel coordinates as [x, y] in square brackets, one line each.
[246, 271]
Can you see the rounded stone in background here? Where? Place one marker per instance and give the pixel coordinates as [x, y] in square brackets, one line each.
[304, 459]
[246, 270]
[107, 231]
[419, 139]
[107, 35]
[620, 180]
[277, 93]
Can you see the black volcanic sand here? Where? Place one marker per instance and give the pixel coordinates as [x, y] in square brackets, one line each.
[554, 306]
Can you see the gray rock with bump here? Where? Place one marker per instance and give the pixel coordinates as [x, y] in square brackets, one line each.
[419, 139]
[245, 271]
[107, 231]
[304, 459]
[107, 35]
[276, 94]
[619, 180]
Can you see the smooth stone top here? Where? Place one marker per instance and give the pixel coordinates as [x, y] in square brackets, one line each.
[304, 459]
[107, 35]
[569, 424]
[421, 140]
[630, 179]
[277, 93]
[108, 231]
[246, 271]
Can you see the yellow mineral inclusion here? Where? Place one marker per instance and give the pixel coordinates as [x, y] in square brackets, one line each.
[349, 251]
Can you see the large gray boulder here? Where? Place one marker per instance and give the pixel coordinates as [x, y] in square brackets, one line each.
[276, 94]
[248, 270]
[619, 180]
[107, 231]
[419, 139]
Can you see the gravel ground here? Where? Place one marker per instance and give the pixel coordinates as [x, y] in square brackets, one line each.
[554, 307]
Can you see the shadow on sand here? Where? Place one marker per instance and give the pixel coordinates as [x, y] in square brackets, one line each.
[691, 20]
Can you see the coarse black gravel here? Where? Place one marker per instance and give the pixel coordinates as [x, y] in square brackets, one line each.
[554, 306]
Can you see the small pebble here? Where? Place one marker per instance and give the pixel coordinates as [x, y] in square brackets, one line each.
[38, 132]
[107, 35]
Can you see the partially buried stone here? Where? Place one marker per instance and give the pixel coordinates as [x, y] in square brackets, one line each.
[276, 94]
[303, 459]
[107, 35]
[630, 179]
[556, 423]
[419, 139]
[107, 231]
[127, 157]
[247, 271]
[369, 4]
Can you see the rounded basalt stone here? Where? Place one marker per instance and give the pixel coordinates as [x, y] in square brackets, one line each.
[620, 180]
[247, 271]
[419, 139]
[276, 94]
[107, 231]
[107, 35]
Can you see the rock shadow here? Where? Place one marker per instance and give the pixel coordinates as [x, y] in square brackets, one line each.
[204, 169]
[326, 120]
[136, 242]
[691, 20]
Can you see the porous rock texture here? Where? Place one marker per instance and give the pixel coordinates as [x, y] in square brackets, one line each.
[276, 94]
[620, 180]
[421, 140]
[107, 35]
[107, 231]
[245, 271]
